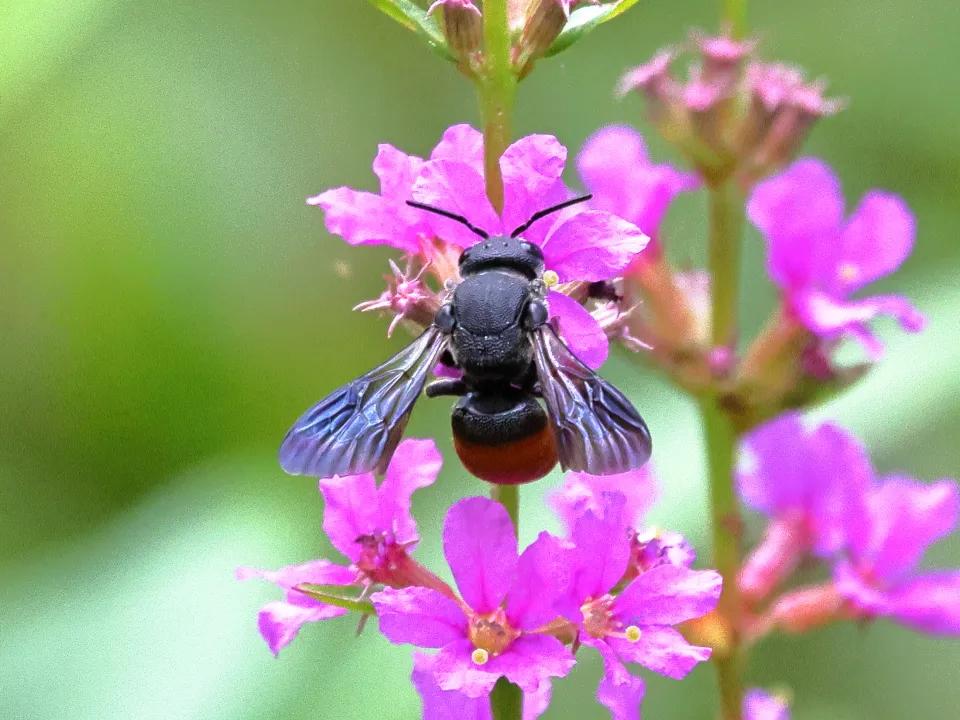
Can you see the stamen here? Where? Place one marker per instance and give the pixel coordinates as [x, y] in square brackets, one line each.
[550, 278]
[480, 656]
[632, 633]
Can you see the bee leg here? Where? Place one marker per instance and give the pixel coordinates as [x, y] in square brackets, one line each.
[446, 387]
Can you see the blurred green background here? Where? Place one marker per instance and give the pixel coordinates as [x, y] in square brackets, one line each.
[169, 305]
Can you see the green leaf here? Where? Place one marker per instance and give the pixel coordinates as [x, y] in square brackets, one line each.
[585, 19]
[318, 592]
[415, 18]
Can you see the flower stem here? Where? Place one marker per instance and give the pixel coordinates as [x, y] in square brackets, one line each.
[509, 497]
[726, 222]
[735, 16]
[506, 701]
[497, 86]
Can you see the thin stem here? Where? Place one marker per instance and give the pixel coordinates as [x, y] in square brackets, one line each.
[497, 85]
[726, 223]
[506, 701]
[735, 17]
[509, 497]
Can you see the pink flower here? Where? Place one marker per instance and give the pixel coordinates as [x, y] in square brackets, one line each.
[760, 705]
[372, 526]
[634, 626]
[818, 260]
[615, 167]
[440, 704]
[492, 631]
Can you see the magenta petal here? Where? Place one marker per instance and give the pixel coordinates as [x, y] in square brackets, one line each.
[579, 329]
[929, 602]
[315, 572]
[363, 218]
[541, 573]
[456, 187]
[602, 547]
[581, 492]
[531, 168]
[462, 143]
[593, 245]
[440, 704]
[352, 510]
[759, 705]
[799, 212]
[530, 659]
[877, 239]
[536, 703]
[419, 616]
[415, 464]
[661, 649]
[623, 700]
[279, 622]
[863, 596]
[772, 475]
[908, 517]
[481, 548]
[455, 669]
[397, 172]
[668, 595]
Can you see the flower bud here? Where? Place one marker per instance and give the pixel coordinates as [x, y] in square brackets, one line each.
[462, 26]
[722, 59]
[808, 608]
[544, 20]
[654, 82]
[773, 560]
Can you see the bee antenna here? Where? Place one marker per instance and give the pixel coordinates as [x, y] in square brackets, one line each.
[453, 216]
[550, 210]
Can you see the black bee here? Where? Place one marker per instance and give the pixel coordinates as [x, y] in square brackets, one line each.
[494, 328]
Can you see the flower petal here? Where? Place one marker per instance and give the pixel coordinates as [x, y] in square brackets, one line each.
[929, 602]
[440, 704]
[454, 669]
[280, 621]
[397, 172]
[415, 464]
[603, 548]
[363, 218]
[877, 239]
[315, 572]
[771, 473]
[351, 511]
[581, 492]
[759, 705]
[622, 700]
[593, 245]
[661, 649]
[458, 188]
[907, 518]
[536, 703]
[799, 212]
[419, 616]
[579, 329]
[481, 548]
[667, 595]
[541, 574]
[462, 143]
[531, 168]
[531, 659]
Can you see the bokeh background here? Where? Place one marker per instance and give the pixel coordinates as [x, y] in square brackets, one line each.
[169, 305]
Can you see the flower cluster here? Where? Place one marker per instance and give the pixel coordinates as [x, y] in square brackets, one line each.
[816, 484]
[517, 615]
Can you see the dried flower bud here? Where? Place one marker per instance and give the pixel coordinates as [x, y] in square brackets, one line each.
[654, 82]
[722, 59]
[544, 20]
[462, 26]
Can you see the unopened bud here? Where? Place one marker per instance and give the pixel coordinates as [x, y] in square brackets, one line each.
[722, 58]
[462, 26]
[654, 82]
[773, 560]
[544, 21]
[808, 608]
[704, 103]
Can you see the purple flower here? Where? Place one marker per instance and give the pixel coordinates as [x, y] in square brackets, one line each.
[760, 705]
[440, 704]
[615, 167]
[634, 626]
[372, 526]
[492, 631]
[885, 545]
[818, 260]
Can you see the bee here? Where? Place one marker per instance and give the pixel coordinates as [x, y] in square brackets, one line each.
[494, 327]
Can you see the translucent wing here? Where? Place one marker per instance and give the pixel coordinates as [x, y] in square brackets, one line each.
[597, 429]
[356, 429]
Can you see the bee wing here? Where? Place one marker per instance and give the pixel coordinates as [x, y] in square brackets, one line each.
[597, 429]
[356, 428]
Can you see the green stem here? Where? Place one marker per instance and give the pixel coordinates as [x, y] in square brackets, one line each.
[735, 16]
[726, 224]
[497, 85]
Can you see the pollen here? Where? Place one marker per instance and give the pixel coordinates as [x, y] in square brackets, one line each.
[848, 272]
[480, 656]
[632, 633]
[550, 278]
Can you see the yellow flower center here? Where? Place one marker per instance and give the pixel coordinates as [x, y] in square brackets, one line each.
[490, 634]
